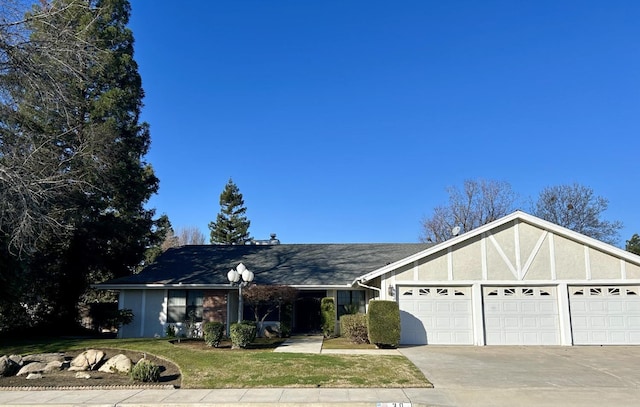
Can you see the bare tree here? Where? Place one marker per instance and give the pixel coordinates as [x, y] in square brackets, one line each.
[190, 235]
[478, 203]
[576, 207]
[187, 235]
[39, 75]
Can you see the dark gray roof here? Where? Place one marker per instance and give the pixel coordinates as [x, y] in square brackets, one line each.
[289, 264]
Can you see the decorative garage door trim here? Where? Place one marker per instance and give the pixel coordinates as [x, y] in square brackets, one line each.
[436, 315]
[521, 315]
[605, 315]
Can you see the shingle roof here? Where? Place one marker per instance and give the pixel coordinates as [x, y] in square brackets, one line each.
[290, 264]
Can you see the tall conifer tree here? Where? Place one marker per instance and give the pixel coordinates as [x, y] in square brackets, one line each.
[231, 225]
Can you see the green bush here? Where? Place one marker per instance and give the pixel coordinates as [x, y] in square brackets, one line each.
[145, 371]
[328, 315]
[242, 334]
[170, 331]
[383, 322]
[213, 332]
[354, 327]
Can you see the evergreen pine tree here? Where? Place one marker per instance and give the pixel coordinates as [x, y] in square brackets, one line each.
[231, 225]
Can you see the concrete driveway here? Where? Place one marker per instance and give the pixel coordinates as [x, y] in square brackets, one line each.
[531, 375]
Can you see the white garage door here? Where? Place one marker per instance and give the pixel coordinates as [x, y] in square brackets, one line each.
[607, 315]
[521, 316]
[435, 315]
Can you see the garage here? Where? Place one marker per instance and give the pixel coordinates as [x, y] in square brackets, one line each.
[605, 315]
[436, 315]
[521, 316]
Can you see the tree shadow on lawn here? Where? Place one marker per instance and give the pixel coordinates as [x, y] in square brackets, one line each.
[257, 344]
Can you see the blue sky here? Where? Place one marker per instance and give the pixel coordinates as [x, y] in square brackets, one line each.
[345, 121]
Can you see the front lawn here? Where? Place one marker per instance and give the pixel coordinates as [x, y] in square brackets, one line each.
[209, 368]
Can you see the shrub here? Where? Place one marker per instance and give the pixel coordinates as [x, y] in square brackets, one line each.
[354, 327]
[328, 315]
[242, 334]
[170, 331]
[383, 322]
[213, 332]
[145, 371]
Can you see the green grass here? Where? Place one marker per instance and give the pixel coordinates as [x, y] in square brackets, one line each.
[209, 368]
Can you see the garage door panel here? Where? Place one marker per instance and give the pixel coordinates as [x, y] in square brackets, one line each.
[633, 306]
[547, 322]
[462, 307]
[605, 315]
[521, 316]
[436, 315]
[443, 307]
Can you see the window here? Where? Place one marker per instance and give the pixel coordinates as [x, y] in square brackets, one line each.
[350, 302]
[181, 303]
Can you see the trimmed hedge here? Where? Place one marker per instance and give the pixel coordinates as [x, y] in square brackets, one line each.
[354, 327]
[242, 334]
[383, 322]
[213, 332]
[328, 315]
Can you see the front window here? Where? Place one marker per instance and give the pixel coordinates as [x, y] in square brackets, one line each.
[183, 303]
[350, 302]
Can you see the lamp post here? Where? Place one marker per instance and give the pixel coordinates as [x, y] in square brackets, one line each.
[234, 276]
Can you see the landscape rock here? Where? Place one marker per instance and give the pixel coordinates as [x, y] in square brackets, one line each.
[83, 375]
[87, 360]
[17, 359]
[118, 364]
[53, 366]
[7, 366]
[35, 367]
[32, 376]
[43, 357]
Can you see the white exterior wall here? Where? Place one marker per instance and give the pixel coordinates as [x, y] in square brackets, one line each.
[514, 254]
[149, 313]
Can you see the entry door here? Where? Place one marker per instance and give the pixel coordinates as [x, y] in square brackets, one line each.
[521, 316]
[605, 315]
[435, 315]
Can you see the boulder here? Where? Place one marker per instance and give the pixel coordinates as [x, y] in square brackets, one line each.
[53, 366]
[43, 357]
[17, 359]
[32, 376]
[7, 366]
[34, 367]
[87, 360]
[118, 364]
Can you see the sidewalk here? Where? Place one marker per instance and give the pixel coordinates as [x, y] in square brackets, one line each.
[288, 397]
